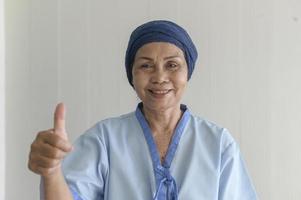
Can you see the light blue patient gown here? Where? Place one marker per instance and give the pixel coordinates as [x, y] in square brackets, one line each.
[117, 159]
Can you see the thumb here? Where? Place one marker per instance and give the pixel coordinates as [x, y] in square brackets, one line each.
[59, 121]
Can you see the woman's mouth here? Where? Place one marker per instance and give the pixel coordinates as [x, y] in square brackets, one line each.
[159, 93]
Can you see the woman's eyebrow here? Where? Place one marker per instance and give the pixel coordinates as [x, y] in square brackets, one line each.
[166, 58]
[144, 58]
[170, 57]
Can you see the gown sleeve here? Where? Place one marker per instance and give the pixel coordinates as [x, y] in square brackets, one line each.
[86, 167]
[235, 183]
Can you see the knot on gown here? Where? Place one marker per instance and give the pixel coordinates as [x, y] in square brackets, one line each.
[169, 182]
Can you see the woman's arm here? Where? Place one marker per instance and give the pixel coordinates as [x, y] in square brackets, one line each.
[55, 187]
[46, 154]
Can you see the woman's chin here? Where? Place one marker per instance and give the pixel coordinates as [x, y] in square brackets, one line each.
[159, 106]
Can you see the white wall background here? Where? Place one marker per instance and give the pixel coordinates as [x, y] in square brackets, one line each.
[2, 103]
[247, 77]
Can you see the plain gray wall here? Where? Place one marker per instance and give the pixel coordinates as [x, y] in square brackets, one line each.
[2, 103]
[246, 79]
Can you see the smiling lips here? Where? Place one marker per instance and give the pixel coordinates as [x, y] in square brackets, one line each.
[159, 93]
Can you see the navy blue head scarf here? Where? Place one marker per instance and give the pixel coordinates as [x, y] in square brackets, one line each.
[160, 31]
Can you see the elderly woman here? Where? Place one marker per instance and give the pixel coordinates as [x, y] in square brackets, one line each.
[159, 152]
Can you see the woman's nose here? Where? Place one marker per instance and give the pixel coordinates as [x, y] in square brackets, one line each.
[160, 75]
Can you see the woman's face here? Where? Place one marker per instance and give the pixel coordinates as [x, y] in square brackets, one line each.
[160, 75]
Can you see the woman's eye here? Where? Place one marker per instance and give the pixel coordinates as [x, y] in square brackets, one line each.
[146, 65]
[172, 65]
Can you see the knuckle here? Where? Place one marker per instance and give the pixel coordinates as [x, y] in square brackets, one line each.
[57, 141]
[32, 157]
[33, 168]
[33, 146]
[40, 134]
[53, 163]
[46, 164]
[56, 154]
[29, 165]
[52, 154]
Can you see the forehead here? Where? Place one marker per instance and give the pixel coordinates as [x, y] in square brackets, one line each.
[159, 49]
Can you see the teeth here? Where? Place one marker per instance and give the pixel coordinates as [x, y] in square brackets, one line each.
[159, 91]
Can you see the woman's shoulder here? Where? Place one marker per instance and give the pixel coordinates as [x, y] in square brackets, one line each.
[211, 129]
[122, 119]
[112, 123]
[203, 121]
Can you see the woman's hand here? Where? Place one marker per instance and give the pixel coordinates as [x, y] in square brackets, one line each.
[50, 147]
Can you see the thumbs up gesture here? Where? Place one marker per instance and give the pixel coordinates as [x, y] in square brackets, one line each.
[50, 146]
[59, 121]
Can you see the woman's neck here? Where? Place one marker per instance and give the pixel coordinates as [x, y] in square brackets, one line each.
[163, 121]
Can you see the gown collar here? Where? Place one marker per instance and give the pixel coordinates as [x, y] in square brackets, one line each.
[166, 185]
